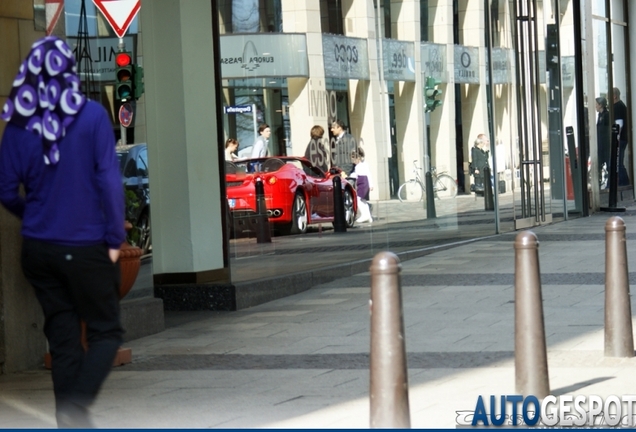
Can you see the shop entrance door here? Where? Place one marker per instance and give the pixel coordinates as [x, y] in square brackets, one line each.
[532, 201]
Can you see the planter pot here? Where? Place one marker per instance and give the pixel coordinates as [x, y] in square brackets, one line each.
[129, 263]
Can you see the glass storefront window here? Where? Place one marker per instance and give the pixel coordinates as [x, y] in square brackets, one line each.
[598, 7]
[618, 11]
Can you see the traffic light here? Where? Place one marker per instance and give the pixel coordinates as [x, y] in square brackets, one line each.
[138, 80]
[124, 76]
[431, 93]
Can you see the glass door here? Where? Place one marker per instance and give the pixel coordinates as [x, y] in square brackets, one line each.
[533, 198]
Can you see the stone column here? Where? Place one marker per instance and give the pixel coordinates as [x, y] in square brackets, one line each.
[307, 96]
[22, 342]
[409, 98]
[368, 99]
[183, 153]
[442, 121]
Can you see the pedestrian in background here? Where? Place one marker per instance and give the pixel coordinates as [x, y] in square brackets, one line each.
[316, 151]
[603, 134]
[362, 175]
[620, 118]
[261, 148]
[61, 148]
[231, 145]
[479, 161]
[344, 144]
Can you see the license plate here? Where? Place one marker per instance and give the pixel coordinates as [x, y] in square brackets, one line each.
[232, 202]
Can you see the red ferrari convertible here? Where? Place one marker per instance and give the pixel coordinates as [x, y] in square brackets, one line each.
[296, 194]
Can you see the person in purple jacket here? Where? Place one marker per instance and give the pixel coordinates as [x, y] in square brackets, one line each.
[61, 148]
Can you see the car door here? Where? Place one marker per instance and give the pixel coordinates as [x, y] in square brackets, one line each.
[322, 199]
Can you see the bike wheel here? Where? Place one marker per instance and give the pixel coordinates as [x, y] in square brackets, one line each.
[410, 191]
[445, 187]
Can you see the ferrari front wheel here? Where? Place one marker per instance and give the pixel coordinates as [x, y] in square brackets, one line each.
[299, 216]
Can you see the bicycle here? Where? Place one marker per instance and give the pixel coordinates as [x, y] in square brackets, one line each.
[444, 186]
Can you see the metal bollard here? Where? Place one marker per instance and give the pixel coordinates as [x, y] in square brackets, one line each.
[489, 203]
[339, 222]
[619, 340]
[389, 379]
[531, 361]
[430, 197]
[263, 234]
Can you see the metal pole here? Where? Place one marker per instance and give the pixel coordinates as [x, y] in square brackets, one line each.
[339, 222]
[613, 174]
[389, 396]
[430, 197]
[263, 234]
[489, 203]
[255, 122]
[122, 129]
[531, 361]
[619, 340]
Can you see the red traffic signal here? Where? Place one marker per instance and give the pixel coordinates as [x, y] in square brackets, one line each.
[123, 59]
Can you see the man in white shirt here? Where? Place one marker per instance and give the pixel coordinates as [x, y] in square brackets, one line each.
[260, 148]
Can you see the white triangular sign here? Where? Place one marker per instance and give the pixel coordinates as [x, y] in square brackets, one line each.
[119, 13]
[53, 10]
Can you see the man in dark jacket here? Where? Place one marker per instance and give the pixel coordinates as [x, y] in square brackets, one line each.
[343, 144]
[620, 118]
[479, 156]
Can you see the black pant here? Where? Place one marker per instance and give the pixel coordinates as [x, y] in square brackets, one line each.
[73, 284]
[623, 177]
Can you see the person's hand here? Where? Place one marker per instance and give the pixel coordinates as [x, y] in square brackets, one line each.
[476, 171]
[113, 254]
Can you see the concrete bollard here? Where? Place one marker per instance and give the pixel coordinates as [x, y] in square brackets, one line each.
[389, 379]
[339, 222]
[531, 361]
[263, 234]
[619, 340]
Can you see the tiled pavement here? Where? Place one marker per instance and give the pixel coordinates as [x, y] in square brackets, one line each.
[302, 361]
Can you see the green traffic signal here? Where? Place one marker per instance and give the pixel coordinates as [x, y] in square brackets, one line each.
[431, 92]
[138, 81]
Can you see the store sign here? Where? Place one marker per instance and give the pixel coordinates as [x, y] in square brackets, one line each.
[345, 57]
[102, 53]
[398, 60]
[434, 61]
[501, 66]
[264, 55]
[466, 65]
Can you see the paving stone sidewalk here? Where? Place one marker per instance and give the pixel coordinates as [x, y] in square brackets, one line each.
[302, 361]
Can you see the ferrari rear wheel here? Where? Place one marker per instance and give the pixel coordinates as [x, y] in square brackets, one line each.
[350, 214]
[299, 216]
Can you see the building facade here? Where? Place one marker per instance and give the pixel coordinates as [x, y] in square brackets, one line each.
[366, 63]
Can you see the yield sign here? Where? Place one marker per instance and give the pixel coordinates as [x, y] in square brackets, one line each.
[119, 13]
[53, 10]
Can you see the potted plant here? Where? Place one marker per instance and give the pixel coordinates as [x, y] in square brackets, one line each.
[130, 254]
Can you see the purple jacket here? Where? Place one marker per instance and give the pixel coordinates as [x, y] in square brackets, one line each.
[77, 202]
